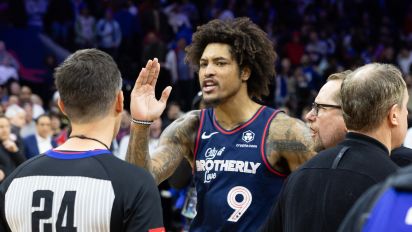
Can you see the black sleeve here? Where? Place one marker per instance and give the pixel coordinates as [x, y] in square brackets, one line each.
[402, 156]
[275, 222]
[355, 218]
[3, 222]
[3, 167]
[147, 210]
[19, 157]
[182, 177]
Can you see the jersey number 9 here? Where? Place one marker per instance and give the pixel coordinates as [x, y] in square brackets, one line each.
[240, 206]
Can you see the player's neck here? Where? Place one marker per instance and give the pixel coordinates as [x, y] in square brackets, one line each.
[232, 114]
[101, 130]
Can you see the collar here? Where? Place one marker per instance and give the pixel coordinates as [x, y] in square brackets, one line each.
[366, 139]
[41, 139]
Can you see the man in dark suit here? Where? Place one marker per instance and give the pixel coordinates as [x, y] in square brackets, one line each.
[318, 195]
[11, 149]
[41, 141]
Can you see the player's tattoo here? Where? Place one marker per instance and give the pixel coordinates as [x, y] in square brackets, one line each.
[177, 141]
[138, 147]
[289, 139]
[287, 145]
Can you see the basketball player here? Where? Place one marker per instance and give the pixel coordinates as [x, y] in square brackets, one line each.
[81, 185]
[239, 149]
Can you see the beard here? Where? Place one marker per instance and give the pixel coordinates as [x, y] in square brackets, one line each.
[318, 145]
[210, 103]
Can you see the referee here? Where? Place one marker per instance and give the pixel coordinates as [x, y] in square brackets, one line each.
[80, 185]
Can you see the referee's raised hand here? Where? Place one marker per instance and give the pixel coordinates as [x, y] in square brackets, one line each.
[143, 103]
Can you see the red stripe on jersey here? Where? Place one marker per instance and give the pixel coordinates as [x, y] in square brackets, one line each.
[262, 146]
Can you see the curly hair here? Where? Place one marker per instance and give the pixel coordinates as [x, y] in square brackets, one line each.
[249, 45]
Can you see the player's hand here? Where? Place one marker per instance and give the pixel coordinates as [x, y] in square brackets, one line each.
[143, 102]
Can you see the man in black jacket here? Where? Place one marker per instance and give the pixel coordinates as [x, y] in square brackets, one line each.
[318, 195]
[11, 149]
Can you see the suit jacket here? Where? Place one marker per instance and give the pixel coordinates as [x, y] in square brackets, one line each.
[31, 148]
[11, 160]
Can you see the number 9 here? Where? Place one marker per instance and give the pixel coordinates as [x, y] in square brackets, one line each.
[240, 207]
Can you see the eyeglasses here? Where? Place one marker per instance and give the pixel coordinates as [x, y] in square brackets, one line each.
[317, 106]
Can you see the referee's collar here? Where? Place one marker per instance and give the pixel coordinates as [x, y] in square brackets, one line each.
[63, 154]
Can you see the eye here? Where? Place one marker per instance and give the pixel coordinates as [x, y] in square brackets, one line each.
[220, 63]
[203, 65]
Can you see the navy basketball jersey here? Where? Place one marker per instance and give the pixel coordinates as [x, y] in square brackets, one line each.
[236, 187]
[79, 191]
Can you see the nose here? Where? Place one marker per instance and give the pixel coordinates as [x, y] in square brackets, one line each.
[209, 70]
[310, 116]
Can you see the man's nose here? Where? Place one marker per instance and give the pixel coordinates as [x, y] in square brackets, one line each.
[210, 70]
[310, 116]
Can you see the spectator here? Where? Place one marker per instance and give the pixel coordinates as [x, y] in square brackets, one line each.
[11, 149]
[124, 126]
[29, 128]
[59, 132]
[25, 95]
[184, 83]
[36, 9]
[41, 141]
[173, 112]
[295, 49]
[109, 34]
[85, 29]
[17, 117]
[404, 60]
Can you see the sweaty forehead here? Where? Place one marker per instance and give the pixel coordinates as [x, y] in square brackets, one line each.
[216, 51]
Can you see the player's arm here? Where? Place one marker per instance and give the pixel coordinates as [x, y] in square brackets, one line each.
[177, 141]
[288, 144]
[144, 108]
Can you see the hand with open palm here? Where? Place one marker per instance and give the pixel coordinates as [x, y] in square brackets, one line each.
[143, 103]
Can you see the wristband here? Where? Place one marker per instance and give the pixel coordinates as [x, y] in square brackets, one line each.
[142, 122]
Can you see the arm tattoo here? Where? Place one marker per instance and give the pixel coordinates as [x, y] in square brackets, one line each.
[288, 145]
[138, 148]
[177, 141]
[289, 139]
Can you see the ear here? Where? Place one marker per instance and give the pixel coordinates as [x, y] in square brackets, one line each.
[393, 116]
[119, 102]
[60, 104]
[245, 73]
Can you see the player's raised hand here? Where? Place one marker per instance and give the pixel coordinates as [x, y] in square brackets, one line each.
[143, 102]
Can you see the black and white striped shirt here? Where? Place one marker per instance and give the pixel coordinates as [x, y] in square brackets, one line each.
[71, 191]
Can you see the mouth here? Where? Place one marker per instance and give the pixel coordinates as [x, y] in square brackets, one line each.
[209, 86]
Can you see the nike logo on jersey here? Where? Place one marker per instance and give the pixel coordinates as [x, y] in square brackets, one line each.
[205, 136]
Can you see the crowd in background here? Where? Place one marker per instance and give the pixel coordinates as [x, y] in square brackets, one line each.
[313, 39]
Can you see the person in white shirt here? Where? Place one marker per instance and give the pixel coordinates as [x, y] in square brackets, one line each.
[41, 141]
